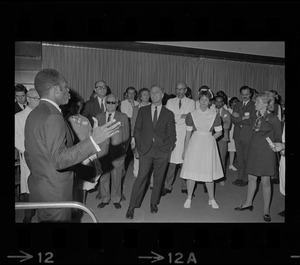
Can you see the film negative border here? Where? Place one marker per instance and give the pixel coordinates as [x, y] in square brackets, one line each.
[156, 243]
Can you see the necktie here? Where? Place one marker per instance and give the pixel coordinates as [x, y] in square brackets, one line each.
[218, 111]
[155, 117]
[109, 117]
[101, 104]
[24, 106]
[244, 104]
[179, 103]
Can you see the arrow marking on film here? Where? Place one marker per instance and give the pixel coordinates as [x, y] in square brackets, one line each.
[155, 258]
[26, 257]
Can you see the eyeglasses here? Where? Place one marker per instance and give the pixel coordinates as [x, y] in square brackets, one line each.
[34, 98]
[111, 102]
[100, 87]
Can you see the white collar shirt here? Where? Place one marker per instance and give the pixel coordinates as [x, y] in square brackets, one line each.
[159, 107]
[111, 117]
[53, 103]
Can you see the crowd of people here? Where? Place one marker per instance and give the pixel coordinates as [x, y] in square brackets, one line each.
[69, 147]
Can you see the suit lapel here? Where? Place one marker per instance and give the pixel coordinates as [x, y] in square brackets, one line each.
[160, 117]
[97, 108]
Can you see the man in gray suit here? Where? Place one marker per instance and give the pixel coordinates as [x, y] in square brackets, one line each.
[49, 149]
[110, 183]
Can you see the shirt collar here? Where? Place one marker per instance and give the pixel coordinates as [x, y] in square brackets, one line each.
[22, 105]
[246, 102]
[101, 99]
[112, 114]
[52, 102]
[158, 107]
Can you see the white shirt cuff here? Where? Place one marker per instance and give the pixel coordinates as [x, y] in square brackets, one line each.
[96, 146]
[218, 128]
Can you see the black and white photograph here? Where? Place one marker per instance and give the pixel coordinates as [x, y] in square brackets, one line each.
[150, 131]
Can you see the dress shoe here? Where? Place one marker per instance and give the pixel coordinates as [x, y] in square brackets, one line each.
[102, 204]
[213, 204]
[165, 192]
[232, 168]
[241, 208]
[184, 191]
[130, 213]
[117, 205]
[242, 183]
[153, 208]
[267, 218]
[187, 203]
[282, 214]
[236, 182]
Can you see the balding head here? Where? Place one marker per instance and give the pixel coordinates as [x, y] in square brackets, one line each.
[181, 89]
[33, 98]
[181, 85]
[32, 93]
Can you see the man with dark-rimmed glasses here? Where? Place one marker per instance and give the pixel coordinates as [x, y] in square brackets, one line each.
[96, 105]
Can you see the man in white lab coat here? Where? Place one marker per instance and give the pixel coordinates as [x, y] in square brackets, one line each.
[33, 99]
[180, 106]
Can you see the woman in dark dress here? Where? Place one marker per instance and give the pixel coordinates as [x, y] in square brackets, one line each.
[261, 160]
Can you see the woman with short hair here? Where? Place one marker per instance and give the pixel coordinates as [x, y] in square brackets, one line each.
[261, 160]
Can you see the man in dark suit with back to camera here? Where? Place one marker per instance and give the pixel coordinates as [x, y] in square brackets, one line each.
[155, 138]
[49, 150]
[243, 117]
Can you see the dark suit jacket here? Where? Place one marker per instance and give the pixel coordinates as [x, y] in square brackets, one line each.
[164, 133]
[92, 109]
[118, 143]
[17, 108]
[49, 153]
[243, 128]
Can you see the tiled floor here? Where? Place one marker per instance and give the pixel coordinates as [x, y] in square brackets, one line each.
[171, 206]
